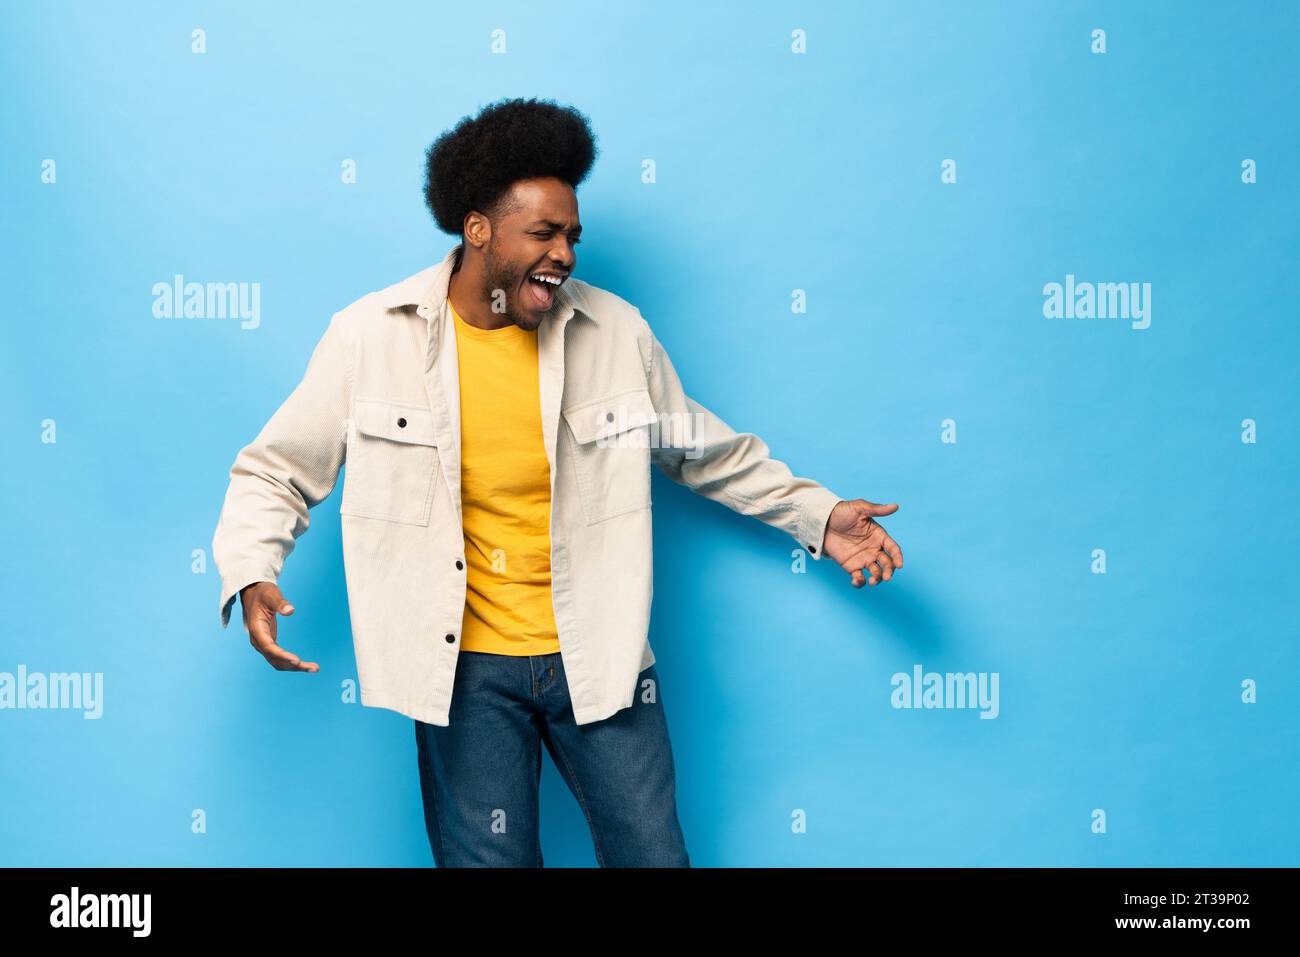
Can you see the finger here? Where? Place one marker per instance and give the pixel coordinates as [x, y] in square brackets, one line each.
[873, 568]
[860, 566]
[875, 509]
[260, 632]
[886, 565]
[284, 660]
[895, 552]
[262, 636]
[286, 609]
[858, 560]
[273, 598]
[863, 562]
[857, 578]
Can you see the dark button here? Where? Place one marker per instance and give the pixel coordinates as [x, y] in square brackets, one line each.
[401, 423]
[451, 639]
[813, 549]
[609, 416]
[459, 564]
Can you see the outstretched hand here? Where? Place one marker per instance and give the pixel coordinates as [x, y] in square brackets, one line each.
[262, 601]
[858, 543]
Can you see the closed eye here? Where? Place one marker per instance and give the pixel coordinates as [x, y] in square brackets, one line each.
[549, 236]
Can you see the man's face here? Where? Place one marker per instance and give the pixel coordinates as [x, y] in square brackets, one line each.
[537, 237]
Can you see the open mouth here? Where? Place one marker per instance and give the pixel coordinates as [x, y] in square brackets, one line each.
[542, 287]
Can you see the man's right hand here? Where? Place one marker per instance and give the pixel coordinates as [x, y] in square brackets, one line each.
[262, 601]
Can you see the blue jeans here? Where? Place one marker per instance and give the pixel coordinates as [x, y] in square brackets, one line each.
[479, 776]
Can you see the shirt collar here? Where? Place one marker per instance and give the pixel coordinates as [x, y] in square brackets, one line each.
[427, 291]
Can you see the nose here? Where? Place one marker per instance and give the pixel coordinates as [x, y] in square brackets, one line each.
[562, 254]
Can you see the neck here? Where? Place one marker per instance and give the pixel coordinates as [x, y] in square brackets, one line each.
[465, 290]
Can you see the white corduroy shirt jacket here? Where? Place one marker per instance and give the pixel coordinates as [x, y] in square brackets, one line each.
[381, 394]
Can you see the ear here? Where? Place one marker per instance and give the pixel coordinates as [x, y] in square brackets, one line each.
[477, 230]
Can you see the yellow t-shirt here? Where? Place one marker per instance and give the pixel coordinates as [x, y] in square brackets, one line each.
[505, 482]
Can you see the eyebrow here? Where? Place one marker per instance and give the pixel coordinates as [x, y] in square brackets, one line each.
[553, 225]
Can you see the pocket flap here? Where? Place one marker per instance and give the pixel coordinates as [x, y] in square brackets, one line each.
[392, 420]
[611, 415]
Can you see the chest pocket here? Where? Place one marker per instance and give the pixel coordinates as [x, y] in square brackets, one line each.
[392, 463]
[610, 450]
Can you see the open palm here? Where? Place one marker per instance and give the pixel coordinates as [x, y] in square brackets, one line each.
[858, 542]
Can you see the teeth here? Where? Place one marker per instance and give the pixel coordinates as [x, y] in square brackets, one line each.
[553, 280]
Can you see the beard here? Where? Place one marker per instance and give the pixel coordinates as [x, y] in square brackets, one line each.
[499, 274]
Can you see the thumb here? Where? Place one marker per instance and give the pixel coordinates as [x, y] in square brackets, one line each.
[875, 509]
[279, 602]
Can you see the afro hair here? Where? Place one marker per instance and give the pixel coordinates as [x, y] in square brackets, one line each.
[472, 166]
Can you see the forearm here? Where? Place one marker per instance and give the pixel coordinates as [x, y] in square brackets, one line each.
[697, 449]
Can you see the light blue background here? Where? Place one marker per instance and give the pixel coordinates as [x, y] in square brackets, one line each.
[775, 172]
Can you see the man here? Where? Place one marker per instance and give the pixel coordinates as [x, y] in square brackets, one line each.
[498, 418]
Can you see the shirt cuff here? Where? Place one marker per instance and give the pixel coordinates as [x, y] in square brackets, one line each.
[235, 581]
[815, 512]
